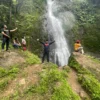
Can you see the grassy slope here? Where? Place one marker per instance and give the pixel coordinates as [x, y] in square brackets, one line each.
[89, 62]
[30, 80]
[87, 79]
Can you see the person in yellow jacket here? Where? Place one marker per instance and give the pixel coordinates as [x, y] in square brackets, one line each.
[78, 47]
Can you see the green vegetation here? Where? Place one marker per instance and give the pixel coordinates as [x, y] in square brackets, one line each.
[26, 15]
[31, 58]
[10, 72]
[52, 86]
[7, 75]
[94, 59]
[87, 27]
[87, 79]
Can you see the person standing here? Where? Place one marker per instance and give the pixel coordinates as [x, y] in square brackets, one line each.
[46, 49]
[6, 37]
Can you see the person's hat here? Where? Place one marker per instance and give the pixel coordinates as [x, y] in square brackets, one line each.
[78, 41]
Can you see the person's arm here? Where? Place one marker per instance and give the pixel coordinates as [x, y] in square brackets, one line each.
[5, 34]
[52, 42]
[80, 45]
[19, 43]
[13, 30]
[40, 41]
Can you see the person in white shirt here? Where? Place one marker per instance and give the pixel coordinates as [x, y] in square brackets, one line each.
[24, 44]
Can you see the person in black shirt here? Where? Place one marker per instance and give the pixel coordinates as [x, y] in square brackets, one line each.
[6, 36]
[46, 49]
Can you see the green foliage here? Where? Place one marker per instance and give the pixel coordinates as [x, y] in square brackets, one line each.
[26, 15]
[83, 12]
[31, 58]
[94, 59]
[3, 84]
[91, 40]
[92, 85]
[60, 93]
[53, 85]
[4, 11]
[6, 75]
[86, 29]
[29, 25]
[29, 22]
[5, 72]
[74, 64]
[87, 79]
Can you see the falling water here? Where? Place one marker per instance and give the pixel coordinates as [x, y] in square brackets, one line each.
[56, 21]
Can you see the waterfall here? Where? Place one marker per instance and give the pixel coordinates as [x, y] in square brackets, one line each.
[56, 22]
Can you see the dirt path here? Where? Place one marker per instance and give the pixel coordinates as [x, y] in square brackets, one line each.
[73, 82]
[29, 76]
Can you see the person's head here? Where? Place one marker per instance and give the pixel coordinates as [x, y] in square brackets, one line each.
[16, 39]
[4, 26]
[77, 41]
[46, 41]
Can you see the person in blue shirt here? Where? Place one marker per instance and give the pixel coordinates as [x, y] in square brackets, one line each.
[46, 49]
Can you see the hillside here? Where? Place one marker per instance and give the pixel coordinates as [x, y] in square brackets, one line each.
[56, 22]
[22, 77]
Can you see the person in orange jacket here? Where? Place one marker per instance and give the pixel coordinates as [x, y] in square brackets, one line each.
[78, 47]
